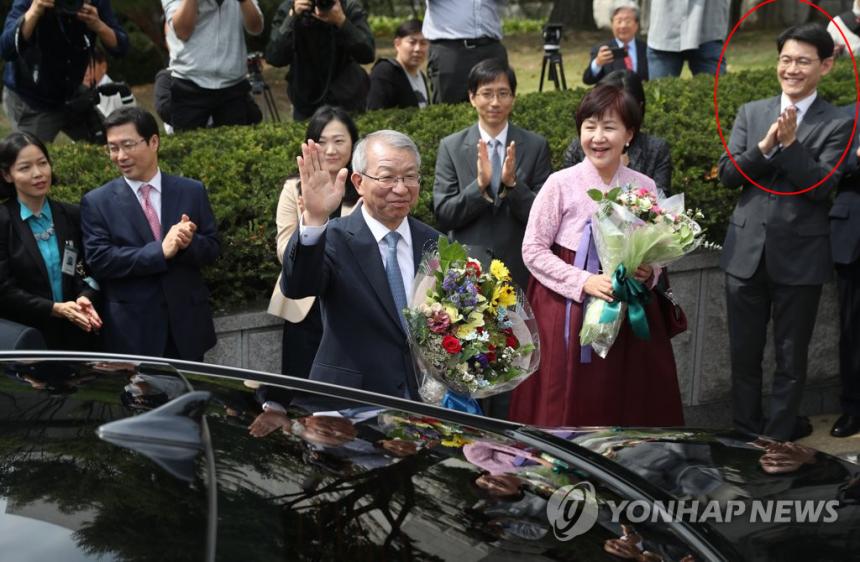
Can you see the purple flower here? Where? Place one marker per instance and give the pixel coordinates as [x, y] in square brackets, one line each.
[482, 359]
[449, 283]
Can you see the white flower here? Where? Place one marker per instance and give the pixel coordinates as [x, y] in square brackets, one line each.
[645, 204]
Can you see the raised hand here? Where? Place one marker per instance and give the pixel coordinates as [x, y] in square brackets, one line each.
[509, 166]
[320, 195]
[604, 56]
[485, 169]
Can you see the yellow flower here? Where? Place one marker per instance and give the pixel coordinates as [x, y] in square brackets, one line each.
[475, 319]
[455, 440]
[504, 295]
[453, 313]
[499, 271]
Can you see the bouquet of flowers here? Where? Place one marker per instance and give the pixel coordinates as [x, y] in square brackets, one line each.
[472, 332]
[633, 226]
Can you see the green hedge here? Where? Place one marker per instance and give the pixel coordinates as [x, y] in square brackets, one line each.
[244, 167]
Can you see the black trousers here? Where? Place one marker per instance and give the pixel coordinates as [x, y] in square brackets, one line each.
[751, 304]
[449, 63]
[191, 106]
[848, 287]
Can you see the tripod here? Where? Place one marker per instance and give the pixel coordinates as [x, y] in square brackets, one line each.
[552, 58]
[263, 88]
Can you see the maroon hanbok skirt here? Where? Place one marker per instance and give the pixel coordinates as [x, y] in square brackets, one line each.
[636, 385]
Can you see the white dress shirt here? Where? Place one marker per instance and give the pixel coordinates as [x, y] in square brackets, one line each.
[154, 193]
[310, 235]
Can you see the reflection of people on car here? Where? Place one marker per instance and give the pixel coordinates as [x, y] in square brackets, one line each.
[53, 377]
[501, 487]
[496, 458]
[151, 391]
[632, 546]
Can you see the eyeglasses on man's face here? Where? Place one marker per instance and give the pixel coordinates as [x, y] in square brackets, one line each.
[489, 95]
[126, 146]
[801, 62]
[389, 182]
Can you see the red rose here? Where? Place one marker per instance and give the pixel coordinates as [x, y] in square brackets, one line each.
[511, 341]
[474, 267]
[451, 344]
[491, 356]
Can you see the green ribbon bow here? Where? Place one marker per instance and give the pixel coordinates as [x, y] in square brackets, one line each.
[634, 293]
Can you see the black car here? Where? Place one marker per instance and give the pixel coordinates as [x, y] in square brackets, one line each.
[104, 457]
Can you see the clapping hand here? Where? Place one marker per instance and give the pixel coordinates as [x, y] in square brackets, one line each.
[87, 309]
[178, 237]
[485, 169]
[320, 195]
[770, 140]
[509, 166]
[786, 126]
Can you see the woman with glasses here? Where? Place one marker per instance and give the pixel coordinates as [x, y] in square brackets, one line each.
[42, 279]
[636, 384]
[335, 131]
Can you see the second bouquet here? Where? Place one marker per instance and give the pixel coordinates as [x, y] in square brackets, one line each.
[632, 227]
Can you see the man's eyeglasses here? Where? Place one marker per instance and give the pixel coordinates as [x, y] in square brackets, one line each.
[390, 181]
[502, 95]
[801, 62]
[126, 146]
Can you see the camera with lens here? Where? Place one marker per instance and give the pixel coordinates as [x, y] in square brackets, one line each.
[68, 6]
[323, 5]
[255, 72]
[552, 35]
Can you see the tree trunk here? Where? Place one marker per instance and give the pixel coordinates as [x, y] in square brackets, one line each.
[573, 14]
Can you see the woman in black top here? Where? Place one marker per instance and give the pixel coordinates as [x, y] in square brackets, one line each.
[42, 278]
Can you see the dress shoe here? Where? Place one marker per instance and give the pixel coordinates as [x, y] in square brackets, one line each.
[846, 426]
[802, 428]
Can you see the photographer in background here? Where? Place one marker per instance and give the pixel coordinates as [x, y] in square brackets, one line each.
[324, 42]
[207, 61]
[621, 52]
[48, 45]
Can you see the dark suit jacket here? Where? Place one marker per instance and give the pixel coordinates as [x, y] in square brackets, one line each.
[389, 86]
[845, 213]
[471, 219]
[648, 155]
[589, 77]
[363, 343]
[25, 289]
[790, 231]
[145, 294]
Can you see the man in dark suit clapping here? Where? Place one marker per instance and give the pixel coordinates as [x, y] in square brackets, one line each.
[621, 52]
[147, 236]
[777, 254]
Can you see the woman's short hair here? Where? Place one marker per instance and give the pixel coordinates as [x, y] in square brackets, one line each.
[629, 81]
[407, 28]
[605, 98]
[10, 148]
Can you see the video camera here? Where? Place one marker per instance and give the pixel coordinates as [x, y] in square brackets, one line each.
[85, 105]
[552, 36]
[255, 72]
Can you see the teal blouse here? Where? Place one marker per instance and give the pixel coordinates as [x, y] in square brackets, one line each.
[42, 226]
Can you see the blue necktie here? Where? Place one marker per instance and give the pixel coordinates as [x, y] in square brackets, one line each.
[496, 160]
[392, 272]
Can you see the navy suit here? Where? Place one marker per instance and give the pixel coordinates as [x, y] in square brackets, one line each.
[363, 343]
[147, 297]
